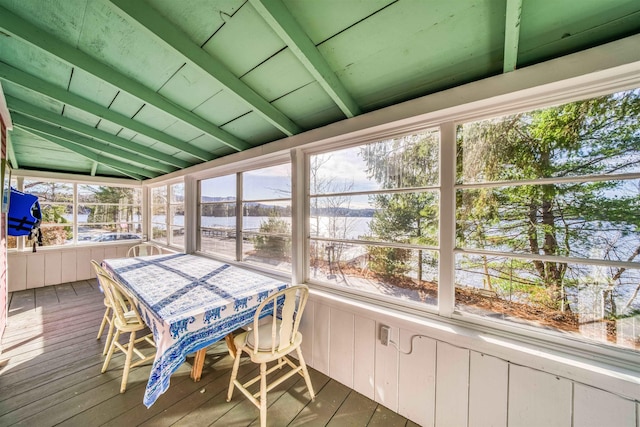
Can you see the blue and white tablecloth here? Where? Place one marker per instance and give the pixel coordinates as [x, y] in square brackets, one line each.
[188, 302]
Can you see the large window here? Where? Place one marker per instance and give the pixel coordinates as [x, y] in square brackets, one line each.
[247, 217]
[547, 218]
[107, 214]
[373, 223]
[84, 213]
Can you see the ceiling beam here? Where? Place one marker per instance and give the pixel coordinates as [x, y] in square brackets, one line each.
[20, 78]
[276, 14]
[37, 125]
[169, 33]
[10, 153]
[94, 168]
[512, 35]
[164, 161]
[122, 167]
[19, 28]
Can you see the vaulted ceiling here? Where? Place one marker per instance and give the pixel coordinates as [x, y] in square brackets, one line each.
[138, 89]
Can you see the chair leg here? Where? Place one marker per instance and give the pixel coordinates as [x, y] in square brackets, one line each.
[112, 347]
[104, 322]
[109, 336]
[263, 395]
[234, 374]
[305, 373]
[127, 362]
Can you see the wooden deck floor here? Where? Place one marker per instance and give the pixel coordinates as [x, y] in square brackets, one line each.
[50, 365]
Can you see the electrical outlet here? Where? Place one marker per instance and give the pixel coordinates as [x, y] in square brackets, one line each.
[385, 334]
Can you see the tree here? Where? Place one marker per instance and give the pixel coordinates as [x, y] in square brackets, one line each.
[409, 214]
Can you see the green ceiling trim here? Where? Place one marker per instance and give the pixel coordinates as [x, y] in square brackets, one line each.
[122, 167]
[161, 28]
[28, 81]
[94, 168]
[64, 122]
[276, 14]
[31, 123]
[18, 27]
[512, 35]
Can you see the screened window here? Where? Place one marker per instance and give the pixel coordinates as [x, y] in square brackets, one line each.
[547, 204]
[167, 214]
[57, 207]
[373, 223]
[218, 216]
[107, 213]
[256, 228]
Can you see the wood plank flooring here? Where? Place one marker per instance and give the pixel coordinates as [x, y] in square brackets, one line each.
[50, 364]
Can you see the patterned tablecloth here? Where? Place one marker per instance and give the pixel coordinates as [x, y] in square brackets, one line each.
[188, 302]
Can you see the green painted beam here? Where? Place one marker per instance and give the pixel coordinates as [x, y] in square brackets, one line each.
[18, 27]
[512, 35]
[13, 75]
[122, 167]
[10, 153]
[163, 161]
[37, 125]
[94, 168]
[161, 28]
[276, 14]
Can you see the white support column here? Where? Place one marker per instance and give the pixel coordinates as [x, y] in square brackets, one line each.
[446, 282]
[299, 250]
[191, 203]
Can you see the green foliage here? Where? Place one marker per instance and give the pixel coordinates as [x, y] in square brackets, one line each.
[389, 262]
[276, 241]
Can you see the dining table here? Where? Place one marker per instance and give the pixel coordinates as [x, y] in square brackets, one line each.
[189, 302]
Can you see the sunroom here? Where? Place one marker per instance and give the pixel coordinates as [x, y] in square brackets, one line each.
[457, 183]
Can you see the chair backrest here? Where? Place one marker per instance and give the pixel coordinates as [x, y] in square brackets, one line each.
[121, 302]
[285, 321]
[144, 249]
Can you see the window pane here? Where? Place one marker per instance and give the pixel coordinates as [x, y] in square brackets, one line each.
[272, 250]
[595, 302]
[410, 217]
[54, 234]
[49, 191]
[218, 189]
[221, 241]
[590, 137]
[177, 193]
[177, 215]
[395, 272]
[404, 162]
[585, 220]
[267, 183]
[107, 194]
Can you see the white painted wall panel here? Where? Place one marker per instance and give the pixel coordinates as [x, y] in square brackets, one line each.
[111, 252]
[596, 408]
[341, 356]
[386, 371]
[488, 385]
[68, 266]
[17, 273]
[417, 378]
[35, 270]
[364, 356]
[321, 333]
[83, 265]
[53, 268]
[452, 385]
[538, 399]
[306, 329]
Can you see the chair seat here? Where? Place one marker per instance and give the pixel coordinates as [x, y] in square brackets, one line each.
[245, 341]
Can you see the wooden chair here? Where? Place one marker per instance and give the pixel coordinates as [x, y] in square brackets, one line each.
[272, 341]
[108, 312]
[144, 249]
[127, 320]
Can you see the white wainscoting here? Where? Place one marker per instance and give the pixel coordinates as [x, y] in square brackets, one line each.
[47, 267]
[455, 378]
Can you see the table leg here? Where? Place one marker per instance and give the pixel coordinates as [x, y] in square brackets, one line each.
[230, 344]
[198, 363]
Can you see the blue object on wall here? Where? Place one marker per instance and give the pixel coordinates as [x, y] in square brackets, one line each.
[24, 213]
